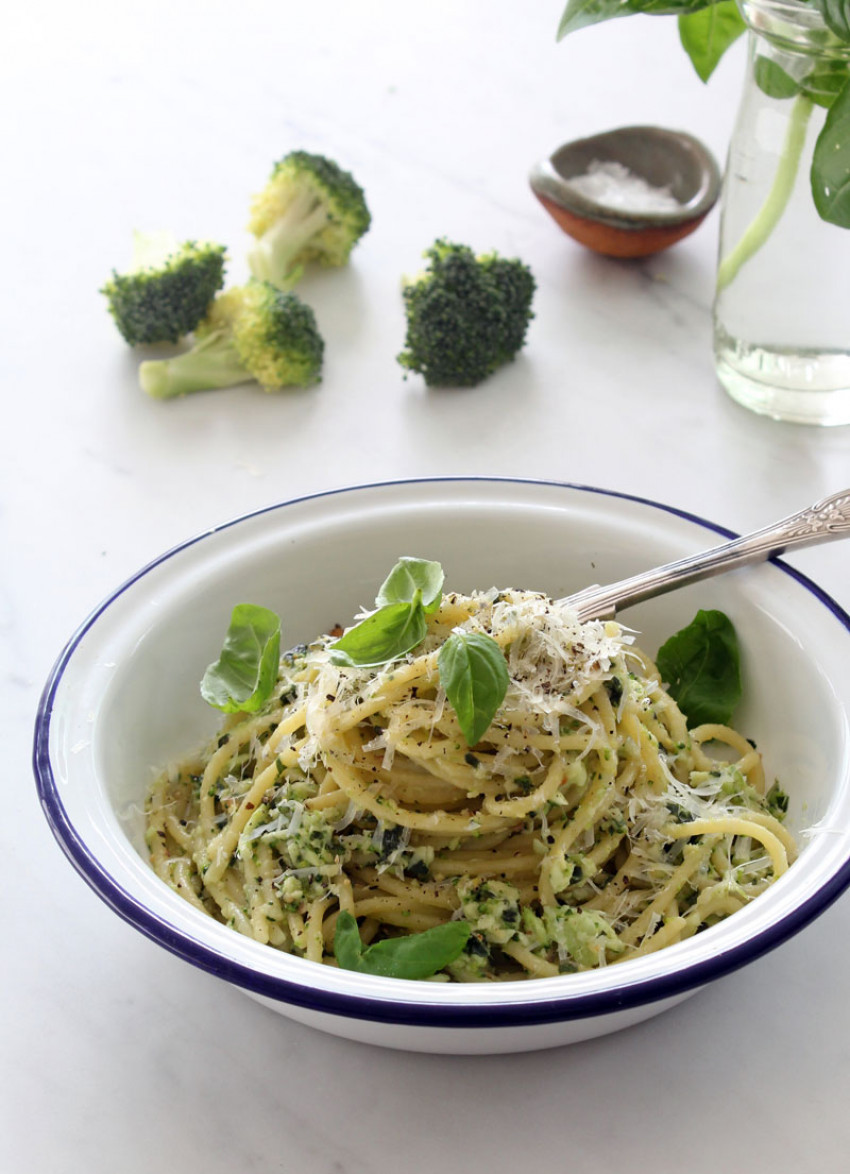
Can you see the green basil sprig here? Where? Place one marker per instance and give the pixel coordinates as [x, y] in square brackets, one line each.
[706, 29]
[416, 956]
[244, 676]
[412, 590]
[702, 667]
[472, 667]
[474, 675]
[578, 14]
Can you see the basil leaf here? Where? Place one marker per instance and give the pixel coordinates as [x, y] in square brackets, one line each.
[701, 665]
[830, 173]
[578, 14]
[415, 956]
[707, 34]
[772, 79]
[825, 82]
[385, 635]
[244, 676]
[348, 947]
[474, 674]
[836, 16]
[408, 576]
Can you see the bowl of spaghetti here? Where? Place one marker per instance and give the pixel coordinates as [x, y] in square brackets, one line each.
[415, 802]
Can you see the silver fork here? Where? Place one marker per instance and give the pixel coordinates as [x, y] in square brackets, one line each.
[824, 521]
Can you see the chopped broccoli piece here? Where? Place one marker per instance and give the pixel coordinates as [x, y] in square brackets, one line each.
[776, 801]
[567, 869]
[311, 845]
[296, 891]
[491, 907]
[310, 210]
[252, 332]
[168, 288]
[582, 938]
[473, 963]
[466, 315]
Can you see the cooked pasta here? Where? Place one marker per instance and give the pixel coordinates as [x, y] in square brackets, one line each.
[588, 826]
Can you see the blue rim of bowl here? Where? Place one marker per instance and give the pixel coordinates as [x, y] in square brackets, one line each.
[403, 1011]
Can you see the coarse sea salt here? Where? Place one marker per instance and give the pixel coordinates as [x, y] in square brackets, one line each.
[614, 186]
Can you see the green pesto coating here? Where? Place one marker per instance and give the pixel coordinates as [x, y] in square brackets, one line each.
[466, 315]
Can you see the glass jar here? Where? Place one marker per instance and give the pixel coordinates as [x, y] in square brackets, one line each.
[782, 304]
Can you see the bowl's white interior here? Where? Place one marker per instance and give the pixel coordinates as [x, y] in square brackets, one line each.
[128, 700]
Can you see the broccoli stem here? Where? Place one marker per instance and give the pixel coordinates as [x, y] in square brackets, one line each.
[770, 213]
[213, 362]
[272, 257]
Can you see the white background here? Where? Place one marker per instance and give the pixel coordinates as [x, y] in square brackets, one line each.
[116, 1056]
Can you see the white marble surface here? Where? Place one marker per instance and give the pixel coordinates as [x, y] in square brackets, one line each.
[115, 1055]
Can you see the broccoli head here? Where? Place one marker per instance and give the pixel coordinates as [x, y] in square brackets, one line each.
[253, 332]
[168, 288]
[466, 315]
[310, 210]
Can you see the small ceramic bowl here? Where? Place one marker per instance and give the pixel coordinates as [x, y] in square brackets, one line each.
[123, 701]
[629, 192]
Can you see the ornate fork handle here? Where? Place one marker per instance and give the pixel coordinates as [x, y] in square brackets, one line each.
[822, 522]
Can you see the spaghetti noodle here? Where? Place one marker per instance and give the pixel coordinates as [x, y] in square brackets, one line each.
[588, 826]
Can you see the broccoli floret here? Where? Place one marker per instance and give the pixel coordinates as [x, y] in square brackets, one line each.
[252, 332]
[466, 315]
[310, 210]
[168, 288]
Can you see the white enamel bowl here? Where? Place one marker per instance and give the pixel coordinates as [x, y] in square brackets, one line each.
[123, 699]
